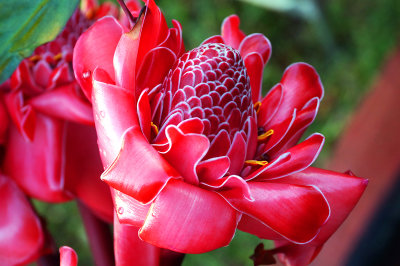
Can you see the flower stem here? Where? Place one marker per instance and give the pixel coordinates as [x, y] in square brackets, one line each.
[171, 258]
[99, 235]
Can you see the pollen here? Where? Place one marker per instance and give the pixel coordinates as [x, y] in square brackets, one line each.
[57, 57]
[154, 127]
[265, 135]
[257, 107]
[35, 58]
[256, 163]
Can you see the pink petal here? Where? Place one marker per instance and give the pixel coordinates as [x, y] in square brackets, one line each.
[256, 43]
[230, 31]
[191, 125]
[301, 156]
[128, 210]
[303, 119]
[68, 256]
[64, 103]
[255, 227]
[23, 116]
[254, 66]
[95, 48]
[4, 121]
[300, 84]
[37, 165]
[111, 119]
[293, 211]
[237, 154]
[155, 66]
[212, 169]
[232, 186]
[129, 248]
[139, 170]
[213, 39]
[220, 145]
[192, 146]
[251, 137]
[185, 218]
[269, 105]
[181, 50]
[21, 232]
[144, 114]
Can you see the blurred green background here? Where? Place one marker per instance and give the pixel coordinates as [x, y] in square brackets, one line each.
[346, 41]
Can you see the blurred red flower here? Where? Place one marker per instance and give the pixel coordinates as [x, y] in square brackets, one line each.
[191, 148]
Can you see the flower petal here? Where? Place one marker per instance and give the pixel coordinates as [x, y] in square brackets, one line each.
[21, 232]
[293, 211]
[213, 39]
[254, 66]
[237, 154]
[68, 256]
[301, 156]
[4, 121]
[129, 211]
[96, 47]
[37, 165]
[256, 43]
[139, 170]
[212, 169]
[65, 103]
[192, 146]
[269, 105]
[144, 114]
[300, 83]
[230, 31]
[183, 219]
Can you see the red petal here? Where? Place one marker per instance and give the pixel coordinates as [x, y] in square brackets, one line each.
[303, 119]
[251, 134]
[130, 249]
[144, 114]
[233, 186]
[37, 165]
[237, 154]
[212, 169]
[154, 68]
[129, 211]
[256, 43]
[220, 145]
[95, 48]
[191, 125]
[139, 170]
[255, 227]
[293, 211]
[4, 121]
[111, 119]
[64, 103]
[185, 218]
[192, 146]
[300, 84]
[254, 66]
[230, 31]
[213, 39]
[83, 170]
[269, 105]
[21, 233]
[68, 256]
[301, 156]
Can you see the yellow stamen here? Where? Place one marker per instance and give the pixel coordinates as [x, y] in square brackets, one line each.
[256, 163]
[57, 56]
[154, 127]
[265, 135]
[257, 107]
[35, 58]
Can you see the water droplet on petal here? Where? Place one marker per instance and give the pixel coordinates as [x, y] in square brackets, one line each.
[86, 74]
[121, 210]
[102, 114]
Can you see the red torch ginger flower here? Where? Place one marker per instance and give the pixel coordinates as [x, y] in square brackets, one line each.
[51, 143]
[191, 148]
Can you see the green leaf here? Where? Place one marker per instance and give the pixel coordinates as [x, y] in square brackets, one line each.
[26, 24]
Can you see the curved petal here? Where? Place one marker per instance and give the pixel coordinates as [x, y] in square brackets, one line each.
[300, 83]
[64, 103]
[256, 43]
[212, 169]
[139, 170]
[192, 146]
[144, 114]
[233, 186]
[37, 165]
[231, 32]
[129, 248]
[111, 119]
[95, 47]
[293, 211]
[4, 121]
[301, 156]
[20, 229]
[255, 227]
[254, 66]
[237, 154]
[185, 218]
[154, 68]
[128, 210]
[269, 105]
[213, 39]
[68, 256]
